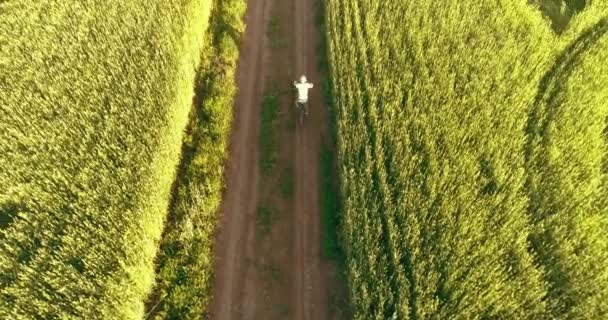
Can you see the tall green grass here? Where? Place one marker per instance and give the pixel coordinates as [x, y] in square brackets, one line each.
[439, 218]
[94, 98]
[185, 261]
[566, 151]
[267, 137]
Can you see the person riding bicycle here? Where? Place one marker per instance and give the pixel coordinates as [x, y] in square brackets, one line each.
[302, 87]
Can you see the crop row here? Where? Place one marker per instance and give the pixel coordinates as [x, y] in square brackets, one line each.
[439, 217]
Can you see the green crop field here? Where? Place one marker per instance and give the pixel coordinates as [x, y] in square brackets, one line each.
[566, 183]
[472, 155]
[94, 98]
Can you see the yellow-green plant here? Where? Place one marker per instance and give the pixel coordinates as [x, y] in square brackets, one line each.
[185, 264]
[433, 100]
[94, 98]
[566, 181]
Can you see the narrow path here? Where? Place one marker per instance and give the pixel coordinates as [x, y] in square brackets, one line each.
[234, 298]
[291, 252]
[309, 294]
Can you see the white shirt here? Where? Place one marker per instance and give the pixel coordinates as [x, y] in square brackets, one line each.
[303, 90]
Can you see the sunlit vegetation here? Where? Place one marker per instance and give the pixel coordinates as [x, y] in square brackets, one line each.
[470, 147]
[94, 98]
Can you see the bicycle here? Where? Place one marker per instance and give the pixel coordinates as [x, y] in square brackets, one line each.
[302, 111]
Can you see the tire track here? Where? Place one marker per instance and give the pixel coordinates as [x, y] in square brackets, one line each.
[234, 296]
[237, 280]
[309, 293]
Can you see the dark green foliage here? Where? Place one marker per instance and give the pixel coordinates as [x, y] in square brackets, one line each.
[329, 208]
[267, 139]
[275, 34]
[265, 218]
[560, 12]
[8, 213]
[93, 102]
[287, 183]
[330, 199]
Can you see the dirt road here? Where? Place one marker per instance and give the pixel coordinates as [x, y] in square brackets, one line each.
[297, 287]
[234, 239]
[309, 294]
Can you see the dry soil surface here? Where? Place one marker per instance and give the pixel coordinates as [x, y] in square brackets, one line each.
[277, 274]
